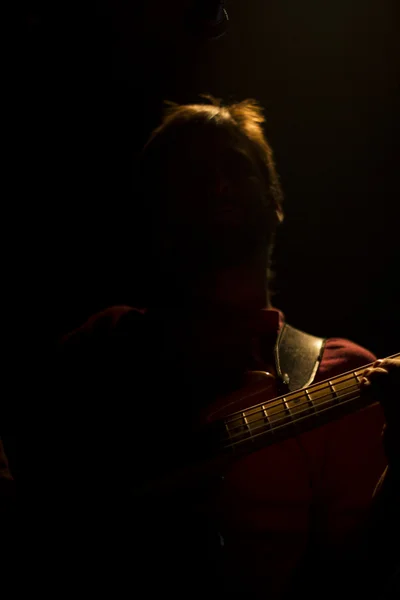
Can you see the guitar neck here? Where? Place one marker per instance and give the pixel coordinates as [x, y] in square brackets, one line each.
[266, 423]
[287, 416]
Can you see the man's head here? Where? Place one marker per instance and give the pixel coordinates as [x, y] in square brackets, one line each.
[214, 200]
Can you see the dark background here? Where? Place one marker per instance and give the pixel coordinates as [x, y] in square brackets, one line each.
[327, 74]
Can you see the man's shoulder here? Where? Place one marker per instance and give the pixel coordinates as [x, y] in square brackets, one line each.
[111, 322]
[98, 357]
[341, 355]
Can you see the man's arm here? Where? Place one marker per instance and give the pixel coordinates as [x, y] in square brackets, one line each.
[95, 394]
[382, 381]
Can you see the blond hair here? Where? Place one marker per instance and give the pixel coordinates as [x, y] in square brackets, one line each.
[183, 124]
[246, 117]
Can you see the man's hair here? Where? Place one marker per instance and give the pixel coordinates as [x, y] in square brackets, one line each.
[186, 125]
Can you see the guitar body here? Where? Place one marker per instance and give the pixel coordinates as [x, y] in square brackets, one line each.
[265, 501]
[252, 497]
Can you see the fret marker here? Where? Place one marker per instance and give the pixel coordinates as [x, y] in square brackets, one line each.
[247, 425]
[334, 393]
[310, 402]
[266, 417]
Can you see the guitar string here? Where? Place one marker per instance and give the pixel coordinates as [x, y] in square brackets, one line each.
[276, 401]
[231, 446]
[270, 427]
[283, 405]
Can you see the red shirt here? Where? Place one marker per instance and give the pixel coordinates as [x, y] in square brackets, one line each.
[316, 487]
[318, 484]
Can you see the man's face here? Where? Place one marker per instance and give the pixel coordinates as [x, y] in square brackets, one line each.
[215, 205]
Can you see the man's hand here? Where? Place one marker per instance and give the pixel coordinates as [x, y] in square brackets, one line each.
[382, 380]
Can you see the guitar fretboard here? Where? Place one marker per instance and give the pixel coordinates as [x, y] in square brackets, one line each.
[297, 412]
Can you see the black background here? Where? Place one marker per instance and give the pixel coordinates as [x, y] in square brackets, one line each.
[327, 74]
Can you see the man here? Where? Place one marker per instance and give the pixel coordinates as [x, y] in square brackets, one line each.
[135, 385]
